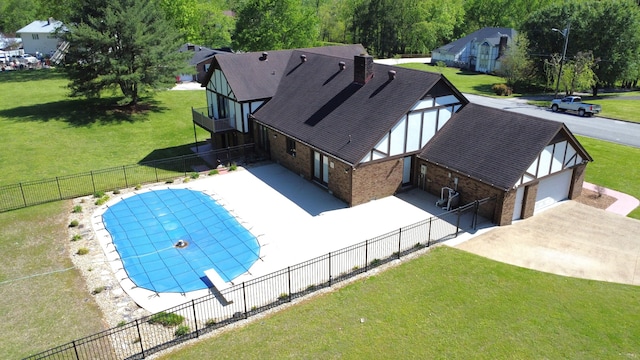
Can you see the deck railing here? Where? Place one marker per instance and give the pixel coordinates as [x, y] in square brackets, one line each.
[201, 117]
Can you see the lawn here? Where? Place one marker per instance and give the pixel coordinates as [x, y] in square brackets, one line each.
[465, 81]
[445, 304]
[46, 134]
[44, 301]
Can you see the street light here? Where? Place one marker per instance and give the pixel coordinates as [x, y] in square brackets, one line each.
[565, 34]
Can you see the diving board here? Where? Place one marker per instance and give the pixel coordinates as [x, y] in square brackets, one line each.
[215, 279]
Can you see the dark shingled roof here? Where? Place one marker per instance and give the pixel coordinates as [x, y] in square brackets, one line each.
[321, 105]
[492, 145]
[491, 33]
[252, 77]
[200, 53]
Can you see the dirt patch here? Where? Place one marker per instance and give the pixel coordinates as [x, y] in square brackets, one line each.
[569, 239]
[595, 199]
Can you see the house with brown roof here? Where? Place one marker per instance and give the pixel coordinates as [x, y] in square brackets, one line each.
[364, 131]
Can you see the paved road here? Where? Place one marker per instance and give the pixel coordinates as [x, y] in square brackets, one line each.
[621, 132]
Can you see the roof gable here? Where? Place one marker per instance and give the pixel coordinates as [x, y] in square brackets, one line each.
[319, 104]
[494, 146]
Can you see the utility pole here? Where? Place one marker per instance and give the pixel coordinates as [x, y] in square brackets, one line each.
[565, 34]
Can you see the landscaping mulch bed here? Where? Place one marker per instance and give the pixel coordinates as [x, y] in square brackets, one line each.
[594, 199]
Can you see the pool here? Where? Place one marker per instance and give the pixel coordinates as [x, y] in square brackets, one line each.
[167, 238]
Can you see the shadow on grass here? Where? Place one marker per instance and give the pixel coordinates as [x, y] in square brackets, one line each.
[84, 112]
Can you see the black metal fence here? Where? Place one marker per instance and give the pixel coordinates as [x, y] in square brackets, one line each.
[145, 336]
[16, 196]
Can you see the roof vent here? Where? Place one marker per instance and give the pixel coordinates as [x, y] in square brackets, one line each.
[342, 65]
[264, 57]
[303, 58]
[392, 74]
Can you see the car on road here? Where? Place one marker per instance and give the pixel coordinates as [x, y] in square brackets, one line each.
[575, 104]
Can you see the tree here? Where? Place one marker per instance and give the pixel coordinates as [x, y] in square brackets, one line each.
[274, 24]
[516, 66]
[130, 47]
[577, 74]
[389, 27]
[610, 29]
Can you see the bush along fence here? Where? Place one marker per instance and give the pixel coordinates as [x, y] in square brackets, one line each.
[16, 196]
[145, 336]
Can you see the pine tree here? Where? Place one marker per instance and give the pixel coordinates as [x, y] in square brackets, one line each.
[130, 47]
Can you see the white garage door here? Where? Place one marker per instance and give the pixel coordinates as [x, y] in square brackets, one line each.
[553, 189]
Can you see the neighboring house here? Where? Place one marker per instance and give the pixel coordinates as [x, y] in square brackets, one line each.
[479, 51]
[365, 131]
[200, 60]
[40, 36]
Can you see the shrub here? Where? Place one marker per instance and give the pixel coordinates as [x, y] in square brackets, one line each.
[102, 200]
[166, 319]
[194, 175]
[74, 223]
[182, 330]
[121, 323]
[82, 251]
[116, 191]
[501, 89]
[210, 322]
[170, 181]
[138, 187]
[214, 172]
[76, 237]
[98, 194]
[98, 290]
[233, 167]
[186, 180]
[375, 262]
[283, 296]
[77, 209]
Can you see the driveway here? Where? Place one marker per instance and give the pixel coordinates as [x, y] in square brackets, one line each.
[570, 239]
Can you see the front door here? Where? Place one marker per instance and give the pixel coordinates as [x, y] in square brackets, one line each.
[320, 168]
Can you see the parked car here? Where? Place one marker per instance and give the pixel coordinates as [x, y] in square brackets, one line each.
[575, 104]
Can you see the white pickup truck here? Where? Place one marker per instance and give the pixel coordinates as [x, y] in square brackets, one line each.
[574, 103]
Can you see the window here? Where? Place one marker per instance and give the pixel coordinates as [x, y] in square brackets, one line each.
[34, 36]
[223, 107]
[291, 147]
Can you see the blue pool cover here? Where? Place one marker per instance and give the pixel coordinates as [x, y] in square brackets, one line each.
[146, 227]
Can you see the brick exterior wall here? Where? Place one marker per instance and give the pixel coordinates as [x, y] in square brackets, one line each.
[500, 211]
[376, 180]
[529, 199]
[576, 181]
[300, 164]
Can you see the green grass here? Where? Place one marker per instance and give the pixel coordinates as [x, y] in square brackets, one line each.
[39, 307]
[465, 81]
[618, 109]
[614, 167]
[46, 134]
[445, 304]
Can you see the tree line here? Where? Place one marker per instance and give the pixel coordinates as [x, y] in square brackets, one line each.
[603, 41]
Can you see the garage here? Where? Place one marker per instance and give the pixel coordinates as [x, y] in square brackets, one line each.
[553, 189]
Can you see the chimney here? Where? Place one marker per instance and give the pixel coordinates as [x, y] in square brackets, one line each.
[392, 74]
[50, 21]
[503, 45]
[303, 58]
[363, 68]
[342, 65]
